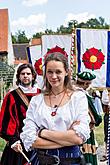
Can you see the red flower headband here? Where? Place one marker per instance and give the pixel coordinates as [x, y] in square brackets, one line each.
[56, 49]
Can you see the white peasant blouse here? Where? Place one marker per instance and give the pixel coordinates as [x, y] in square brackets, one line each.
[39, 115]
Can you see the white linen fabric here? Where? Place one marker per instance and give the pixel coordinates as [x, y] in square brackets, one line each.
[39, 115]
[98, 105]
[105, 97]
[29, 90]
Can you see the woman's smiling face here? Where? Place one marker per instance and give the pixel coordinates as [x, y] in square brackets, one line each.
[55, 73]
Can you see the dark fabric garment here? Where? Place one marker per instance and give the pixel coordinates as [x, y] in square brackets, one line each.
[65, 152]
[10, 157]
[89, 148]
[13, 157]
[97, 117]
[13, 112]
[106, 119]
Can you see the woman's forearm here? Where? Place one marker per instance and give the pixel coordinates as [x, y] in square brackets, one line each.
[66, 138]
[45, 144]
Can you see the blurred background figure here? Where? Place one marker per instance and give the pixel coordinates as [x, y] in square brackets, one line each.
[97, 101]
[84, 80]
[105, 105]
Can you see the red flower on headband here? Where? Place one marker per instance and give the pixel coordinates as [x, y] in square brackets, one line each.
[38, 66]
[57, 49]
[93, 58]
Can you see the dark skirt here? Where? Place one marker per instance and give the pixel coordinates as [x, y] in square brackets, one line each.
[89, 150]
[10, 157]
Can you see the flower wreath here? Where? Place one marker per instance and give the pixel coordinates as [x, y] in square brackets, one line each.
[38, 63]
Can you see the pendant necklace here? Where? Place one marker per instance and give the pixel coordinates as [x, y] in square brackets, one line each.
[53, 113]
[55, 95]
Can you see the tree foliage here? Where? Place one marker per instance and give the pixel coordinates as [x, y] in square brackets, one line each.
[93, 23]
[13, 39]
[37, 35]
[20, 37]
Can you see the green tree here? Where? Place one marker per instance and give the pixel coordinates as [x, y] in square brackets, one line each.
[37, 35]
[13, 39]
[91, 23]
[82, 25]
[21, 37]
[94, 23]
[62, 30]
[103, 23]
[97, 23]
[49, 31]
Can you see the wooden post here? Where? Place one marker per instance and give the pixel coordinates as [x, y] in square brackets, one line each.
[73, 53]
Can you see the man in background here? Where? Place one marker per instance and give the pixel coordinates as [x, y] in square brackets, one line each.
[105, 104]
[84, 80]
[13, 112]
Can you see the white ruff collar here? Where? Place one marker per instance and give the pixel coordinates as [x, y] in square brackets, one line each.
[28, 90]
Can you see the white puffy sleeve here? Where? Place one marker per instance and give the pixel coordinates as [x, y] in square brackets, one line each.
[30, 129]
[80, 104]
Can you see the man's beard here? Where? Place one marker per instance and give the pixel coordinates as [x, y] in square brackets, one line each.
[26, 84]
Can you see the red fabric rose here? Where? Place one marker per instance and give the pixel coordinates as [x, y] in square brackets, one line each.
[93, 58]
[38, 66]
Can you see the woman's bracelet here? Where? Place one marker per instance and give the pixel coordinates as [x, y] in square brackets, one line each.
[40, 131]
[39, 135]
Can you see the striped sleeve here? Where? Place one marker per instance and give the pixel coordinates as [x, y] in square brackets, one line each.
[8, 118]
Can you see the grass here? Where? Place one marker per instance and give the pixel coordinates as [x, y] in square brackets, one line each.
[2, 144]
[99, 133]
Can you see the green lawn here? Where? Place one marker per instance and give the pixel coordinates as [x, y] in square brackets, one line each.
[2, 144]
[99, 132]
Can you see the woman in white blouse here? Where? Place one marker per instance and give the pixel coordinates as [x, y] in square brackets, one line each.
[57, 120]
